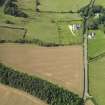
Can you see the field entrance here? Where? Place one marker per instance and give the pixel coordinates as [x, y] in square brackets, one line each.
[61, 65]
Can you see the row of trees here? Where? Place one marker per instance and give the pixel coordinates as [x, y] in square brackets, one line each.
[92, 11]
[96, 14]
[46, 91]
[33, 41]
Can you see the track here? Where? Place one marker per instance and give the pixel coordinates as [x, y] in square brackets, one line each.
[85, 50]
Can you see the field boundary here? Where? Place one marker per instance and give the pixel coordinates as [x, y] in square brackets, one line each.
[97, 57]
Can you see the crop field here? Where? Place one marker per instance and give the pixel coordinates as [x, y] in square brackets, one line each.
[10, 96]
[96, 46]
[97, 80]
[54, 64]
[62, 5]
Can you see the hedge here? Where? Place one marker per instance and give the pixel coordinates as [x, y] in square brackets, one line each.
[44, 90]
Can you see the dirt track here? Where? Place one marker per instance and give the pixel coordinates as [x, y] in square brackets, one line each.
[62, 65]
[10, 96]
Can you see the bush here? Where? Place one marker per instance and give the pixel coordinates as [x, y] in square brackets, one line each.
[46, 91]
[2, 2]
[12, 9]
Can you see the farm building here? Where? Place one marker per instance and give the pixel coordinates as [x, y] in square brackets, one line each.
[76, 27]
[91, 35]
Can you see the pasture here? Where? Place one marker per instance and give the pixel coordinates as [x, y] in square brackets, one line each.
[100, 2]
[62, 5]
[48, 31]
[65, 34]
[96, 46]
[42, 26]
[10, 33]
[61, 65]
[10, 96]
[97, 80]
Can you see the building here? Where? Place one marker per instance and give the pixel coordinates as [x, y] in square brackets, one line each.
[91, 35]
[76, 27]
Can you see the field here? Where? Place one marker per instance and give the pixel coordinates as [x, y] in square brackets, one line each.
[65, 34]
[54, 64]
[44, 29]
[53, 32]
[89, 102]
[62, 5]
[96, 46]
[100, 2]
[44, 26]
[11, 34]
[97, 80]
[10, 96]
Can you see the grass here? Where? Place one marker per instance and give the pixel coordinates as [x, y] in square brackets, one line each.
[65, 35]
[97, 80]
[100, 2]
[11, 34]
[62, 5]
[45, 31]
[41, 26]
[96, 46]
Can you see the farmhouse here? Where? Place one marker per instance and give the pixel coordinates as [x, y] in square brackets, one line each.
[91, 35]
[76, 27]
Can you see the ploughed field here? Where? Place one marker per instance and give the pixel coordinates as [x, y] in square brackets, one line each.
[61, 65]
[10, 96]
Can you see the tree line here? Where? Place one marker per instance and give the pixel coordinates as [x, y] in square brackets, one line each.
[46, 91]
[2, 2]
[12, 9]
[97, 16]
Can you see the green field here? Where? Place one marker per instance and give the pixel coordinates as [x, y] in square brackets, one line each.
[97, 80]
[62, 5]
[65, 35]
[9, 34]
[45, 31]
[44, 26]
[100, 2]
[48, 31]
[96, 46]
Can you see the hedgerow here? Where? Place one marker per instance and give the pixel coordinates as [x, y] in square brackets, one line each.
[46, 91]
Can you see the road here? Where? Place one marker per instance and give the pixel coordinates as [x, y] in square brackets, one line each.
[85, 50]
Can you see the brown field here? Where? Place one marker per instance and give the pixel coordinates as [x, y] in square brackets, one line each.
[9, 96]
[61, 65]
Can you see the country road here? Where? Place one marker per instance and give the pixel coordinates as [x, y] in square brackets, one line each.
[85, 51]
